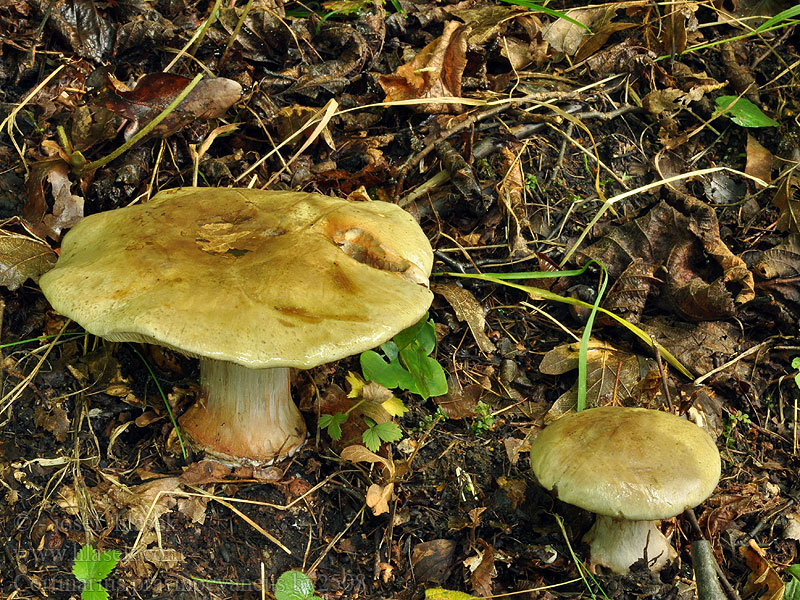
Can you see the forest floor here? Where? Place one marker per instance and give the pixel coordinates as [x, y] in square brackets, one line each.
[661, 140]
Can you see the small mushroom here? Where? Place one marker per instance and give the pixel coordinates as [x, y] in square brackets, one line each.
[253, 283]
[632, 467]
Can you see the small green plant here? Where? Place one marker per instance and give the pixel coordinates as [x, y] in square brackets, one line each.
[409, 367]
[373, 399]
[733, 420]
[796, 366]
[743, 112]
[429, 421]
[407, 364]
[532, 183]
[484, 419]
[295, 585]
[792, 589]
[90, 568]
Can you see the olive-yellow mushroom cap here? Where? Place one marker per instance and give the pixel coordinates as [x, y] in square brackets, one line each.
[630, 463]
[259, 278]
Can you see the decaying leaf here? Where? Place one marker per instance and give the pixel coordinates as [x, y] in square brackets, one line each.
[468, 309]
[482, 569]
[781, 261]
[492, 22]
[704, 279]
[460, 401]
[565, 36]
[512, 196]
[611, 374]
[22, 257]
[787, 199]
[763, 580]
[67, 207]
[435, 71]
[697, 345]
[209, 99]
[433, 560]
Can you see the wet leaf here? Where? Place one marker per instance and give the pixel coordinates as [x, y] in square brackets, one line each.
[209, 99]
[433, 560]
[435, 71]
[23, 257]
[89, 33]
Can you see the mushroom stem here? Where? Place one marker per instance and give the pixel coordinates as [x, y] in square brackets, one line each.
[618, 543]
[244, 413]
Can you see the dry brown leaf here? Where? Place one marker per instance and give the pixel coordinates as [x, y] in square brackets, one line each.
[511, 193]
[23, 257]
[356, 453]
[787, 199]
[55, 420]
[468, 309]
[67, 207]
[696, 345]
[378, 497]
[436, 71]
[611, 374]
[514, 447]
[564, 36]
[759, 160]
[482, 570]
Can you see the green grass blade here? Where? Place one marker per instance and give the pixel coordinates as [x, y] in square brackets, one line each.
[540, 294]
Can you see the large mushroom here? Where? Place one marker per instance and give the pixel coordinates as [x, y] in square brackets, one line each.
[632, 467]
[253, 283]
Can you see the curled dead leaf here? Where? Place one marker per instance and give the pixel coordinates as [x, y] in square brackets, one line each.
[435, 71]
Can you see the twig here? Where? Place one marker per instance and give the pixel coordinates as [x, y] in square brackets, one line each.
[705, 573]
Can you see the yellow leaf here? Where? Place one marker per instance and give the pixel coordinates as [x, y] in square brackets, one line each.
[442, 594]
[395, 407]
[356, 385]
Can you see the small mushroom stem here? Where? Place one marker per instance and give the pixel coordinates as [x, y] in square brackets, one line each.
[618, 543]
[244, 414]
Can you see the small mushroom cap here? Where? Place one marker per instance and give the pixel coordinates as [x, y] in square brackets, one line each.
[629, 463]
[260, 278]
